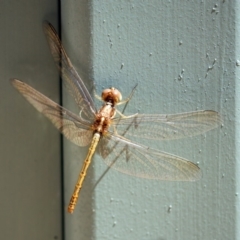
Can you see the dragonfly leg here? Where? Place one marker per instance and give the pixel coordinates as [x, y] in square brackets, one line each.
[123, 116]
[129, 97]
[97, 96]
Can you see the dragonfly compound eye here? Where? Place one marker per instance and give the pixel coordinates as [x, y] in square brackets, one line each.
[117, 96]
[111, 95]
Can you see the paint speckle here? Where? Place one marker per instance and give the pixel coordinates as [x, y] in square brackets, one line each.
[169, 208]
[211, 67]
[215, 9]
[180, 76]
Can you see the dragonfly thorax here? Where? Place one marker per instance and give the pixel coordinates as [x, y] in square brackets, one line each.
[111, 95]
[103, 118]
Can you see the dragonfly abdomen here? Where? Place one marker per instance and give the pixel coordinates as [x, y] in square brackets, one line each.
[82, 175]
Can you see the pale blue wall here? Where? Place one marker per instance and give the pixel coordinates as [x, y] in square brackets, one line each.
[121, 43]
[155, 41]
[30, 154]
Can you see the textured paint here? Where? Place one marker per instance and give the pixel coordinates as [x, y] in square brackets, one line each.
[30, 153]
[182, 55]
[237, 120]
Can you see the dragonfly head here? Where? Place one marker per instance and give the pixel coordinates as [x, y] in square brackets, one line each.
[111, 95]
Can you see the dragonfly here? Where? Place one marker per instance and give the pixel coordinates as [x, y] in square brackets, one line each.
[110, 133]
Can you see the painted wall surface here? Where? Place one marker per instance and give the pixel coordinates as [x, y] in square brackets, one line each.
[30, 171]
[182, 55]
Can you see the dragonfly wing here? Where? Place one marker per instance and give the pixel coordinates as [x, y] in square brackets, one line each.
[166, 127]
[73, 81]
[143, 162]
[72, 126]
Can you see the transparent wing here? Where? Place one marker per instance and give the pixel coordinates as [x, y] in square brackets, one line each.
[73, 81]
[165, 127]
[72, 126]
[143, 162]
